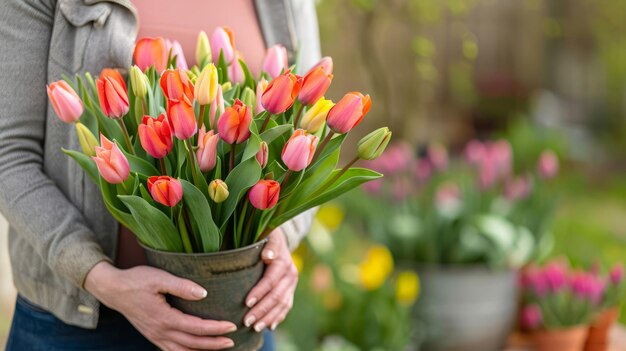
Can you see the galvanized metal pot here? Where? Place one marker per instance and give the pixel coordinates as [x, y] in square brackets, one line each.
[228, 277]
[465, 308]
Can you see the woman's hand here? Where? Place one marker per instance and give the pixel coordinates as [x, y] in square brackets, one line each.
[137, 293]
[272, 298]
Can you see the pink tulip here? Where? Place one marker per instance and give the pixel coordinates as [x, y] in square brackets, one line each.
[348, 112]
[326, 63]
[112, 95]
[502, 156]
[176, 50]
[616, 275]
[235, 71]
[262, 154]
[165, 190]
[423, 170]
[264, 194]
[538, 283]
[217, 107]
[234, 124]
[531, 317]
[275, 60]
[518, 188]
[177, 86]
[182, 119]
[438, 156]
[314, 86]
[111, 162]
[207, 150]
[299, 150]
[474, 152]
[155, 136]
[548, 164]
[222, 40]
[281, 93]
[260, 88]
[555, 275]
[65, 101]
[151, 52]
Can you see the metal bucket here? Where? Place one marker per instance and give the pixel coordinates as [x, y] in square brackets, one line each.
[228, 277]
[465, 308]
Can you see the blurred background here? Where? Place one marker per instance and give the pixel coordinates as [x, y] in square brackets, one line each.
[539, 74]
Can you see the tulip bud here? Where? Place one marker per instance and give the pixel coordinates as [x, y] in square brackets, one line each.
[151, 52]
[226, 86]
[248, 97]
[373, 144]
[177, 86]
[264, 194]
[222, 41]
[88, 141]
[203, 48]
[234, 124]
[206, 85]
[218, 191]
[548, 164]
[165, 190]
[315, 116]
[155, 136]
[262, 154]
[138, 82]
[281, 93]
[217, 108]
[299, 150]
[275, 60]
[326, 63]
[176, 51]
[348, 112]
[182, 120]
[235, 71]
[314, 85]
[65, 101]
[112, 94]
[111, 162]
[260, 88]
[207, 150]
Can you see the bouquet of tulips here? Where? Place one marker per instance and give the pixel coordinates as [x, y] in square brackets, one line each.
[212, 158]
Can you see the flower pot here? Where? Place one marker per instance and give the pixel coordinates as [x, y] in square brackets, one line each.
[598, 336]
[464, 308]
[570, 339]
[228, 277]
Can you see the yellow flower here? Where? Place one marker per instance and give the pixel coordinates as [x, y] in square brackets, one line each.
[376, 267]
[331, 216]
[297, 261]
[315, 116]
[407, 288]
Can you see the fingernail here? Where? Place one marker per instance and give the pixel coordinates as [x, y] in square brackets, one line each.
[274, 325]
[249, 321]
[269, 254]
[199, 293]
[229, 343]
[259, 327]
[233, 328]
[251, 302]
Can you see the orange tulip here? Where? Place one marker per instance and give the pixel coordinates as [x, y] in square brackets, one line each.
[165, 190]
[348, 112]
[182, 119]
[281, 93]
[65, 101]
[151, 52]
[314, 85]
[264, 194]
[176, 86]
[111, 162]
[155, 136]
[112, 94]
[234, 124]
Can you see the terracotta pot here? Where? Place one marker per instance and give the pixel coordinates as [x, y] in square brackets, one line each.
[227, 276]
[569, 339]
[598, 336]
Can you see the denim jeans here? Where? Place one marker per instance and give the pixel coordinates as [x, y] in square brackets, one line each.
[35, 329]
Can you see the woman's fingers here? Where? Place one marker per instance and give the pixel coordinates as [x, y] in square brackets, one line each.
[198, 326]
[199, 342]
[275, 245]
[272, 276]
[262, 314]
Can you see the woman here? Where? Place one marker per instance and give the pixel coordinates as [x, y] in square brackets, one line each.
[81, 281]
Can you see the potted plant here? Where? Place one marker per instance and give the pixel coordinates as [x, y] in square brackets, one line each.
[202, 164]
[559, 304]
[598, 336]
[466, 225]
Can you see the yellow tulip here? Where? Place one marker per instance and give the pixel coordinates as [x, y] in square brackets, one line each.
[203, 48]
[376, 267]
[331, 216]
[407, 288]
[87, 140]
[315, 116]
[206, 85]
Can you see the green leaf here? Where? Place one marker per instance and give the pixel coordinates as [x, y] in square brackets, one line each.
[139, 165]
[222, 69]
[200, 212]
[249, 81]
[313, 179]
[252, 148]
[152, 222]
[86, 163]
[242, 178]
[271, 134]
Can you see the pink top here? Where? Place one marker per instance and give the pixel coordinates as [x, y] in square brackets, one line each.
[182, 20]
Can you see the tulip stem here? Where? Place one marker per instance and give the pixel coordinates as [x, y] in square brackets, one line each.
[265, 122]
[321, 147]
[192, 161]
[232, 157]
[286, 178]
[238, 237]
[162, 164]
[126, 137]
[297, 120]
[335, 178]
[145, 107]
[201, 116]
[248, 228]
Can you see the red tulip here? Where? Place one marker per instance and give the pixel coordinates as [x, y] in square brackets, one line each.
[182, 119]
[65, 101]
[111, 162]
[299, 150]
[155, 136]
[176, 86]
[314, 85]
[207, 150]
[234, 124]
[151, 52]
[281, 93]
[264, 194]
[275, 60]
[348, 112]
[112, 94]
[165, 190]
[222, 40]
